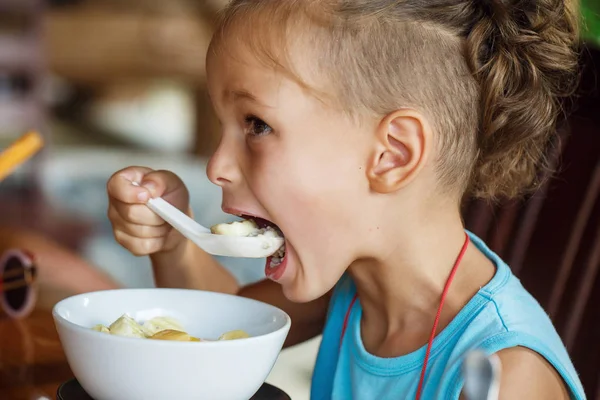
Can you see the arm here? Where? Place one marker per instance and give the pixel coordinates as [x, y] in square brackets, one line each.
[527, 375]
[61, 273]
[189, 267]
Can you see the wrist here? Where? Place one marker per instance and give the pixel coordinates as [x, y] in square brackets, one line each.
[173, 254]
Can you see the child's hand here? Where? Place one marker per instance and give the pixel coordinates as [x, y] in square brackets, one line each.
[135, 226]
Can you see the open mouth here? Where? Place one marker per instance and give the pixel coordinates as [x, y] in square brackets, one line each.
[276, 263]
[266, 226]
[252, 226]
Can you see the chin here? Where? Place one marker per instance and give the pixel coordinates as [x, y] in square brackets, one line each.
[301, 292]
[297, 293]
[305, 290]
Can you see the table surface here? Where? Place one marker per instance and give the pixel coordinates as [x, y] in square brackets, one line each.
[32, 361]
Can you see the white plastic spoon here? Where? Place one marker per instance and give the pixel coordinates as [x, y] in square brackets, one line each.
[219, 245]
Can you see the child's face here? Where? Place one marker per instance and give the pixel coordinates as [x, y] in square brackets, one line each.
[286, 157]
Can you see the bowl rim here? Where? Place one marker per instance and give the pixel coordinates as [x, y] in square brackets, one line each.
[238, 342]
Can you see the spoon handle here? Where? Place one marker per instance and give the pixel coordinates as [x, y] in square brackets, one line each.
[175, 217]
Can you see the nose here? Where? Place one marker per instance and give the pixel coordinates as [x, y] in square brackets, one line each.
[223, 167]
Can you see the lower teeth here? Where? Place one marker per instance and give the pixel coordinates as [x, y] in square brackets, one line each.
[275, 261]
[281, 252]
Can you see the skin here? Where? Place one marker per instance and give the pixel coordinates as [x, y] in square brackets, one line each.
[357, 195]
[61, 273]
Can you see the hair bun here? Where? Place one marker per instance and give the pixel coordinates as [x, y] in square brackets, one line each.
[524, 58]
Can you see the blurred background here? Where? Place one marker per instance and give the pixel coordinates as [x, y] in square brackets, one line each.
[113, 83]
[109, 83]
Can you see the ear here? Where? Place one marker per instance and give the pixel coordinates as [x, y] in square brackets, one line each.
[402, 145]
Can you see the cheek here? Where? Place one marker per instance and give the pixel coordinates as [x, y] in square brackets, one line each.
[312, 194]
[310, 201]
[285, 189]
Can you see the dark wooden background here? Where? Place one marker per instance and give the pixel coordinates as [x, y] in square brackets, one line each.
[552, 239]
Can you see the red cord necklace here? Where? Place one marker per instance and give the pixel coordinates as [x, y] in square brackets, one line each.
[437, 316]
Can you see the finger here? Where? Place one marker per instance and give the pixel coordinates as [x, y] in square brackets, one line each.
[136, 230]
[165, 184]
[134, 173]
[138, 214]
[137, 246]
[120, 185]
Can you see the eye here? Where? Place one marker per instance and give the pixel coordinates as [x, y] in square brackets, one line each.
[256, 126]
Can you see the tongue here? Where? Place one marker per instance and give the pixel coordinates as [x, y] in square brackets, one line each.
[273, 271]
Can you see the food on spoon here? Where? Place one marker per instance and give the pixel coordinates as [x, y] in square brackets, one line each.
[245, 228]
[233, 335]
[157, 324]
[126, 326]
[237, 228]
[249, 228]
[171, 334]
[101, 328]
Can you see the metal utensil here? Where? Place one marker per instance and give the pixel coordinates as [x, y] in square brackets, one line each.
[482, 376]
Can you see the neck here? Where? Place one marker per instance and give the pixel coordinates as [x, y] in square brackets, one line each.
[400, 291]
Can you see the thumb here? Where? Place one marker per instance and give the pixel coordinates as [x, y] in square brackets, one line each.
[167, 185]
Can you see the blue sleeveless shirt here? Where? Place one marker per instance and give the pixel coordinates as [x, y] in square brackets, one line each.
[501, 315]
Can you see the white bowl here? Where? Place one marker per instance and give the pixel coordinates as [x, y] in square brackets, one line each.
[111, 367]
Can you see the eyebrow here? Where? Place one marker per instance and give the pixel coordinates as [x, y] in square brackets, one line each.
[242, 94]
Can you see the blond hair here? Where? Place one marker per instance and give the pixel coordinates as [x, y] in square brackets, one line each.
[489, 73]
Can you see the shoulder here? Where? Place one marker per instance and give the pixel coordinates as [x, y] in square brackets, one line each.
[528, 375]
